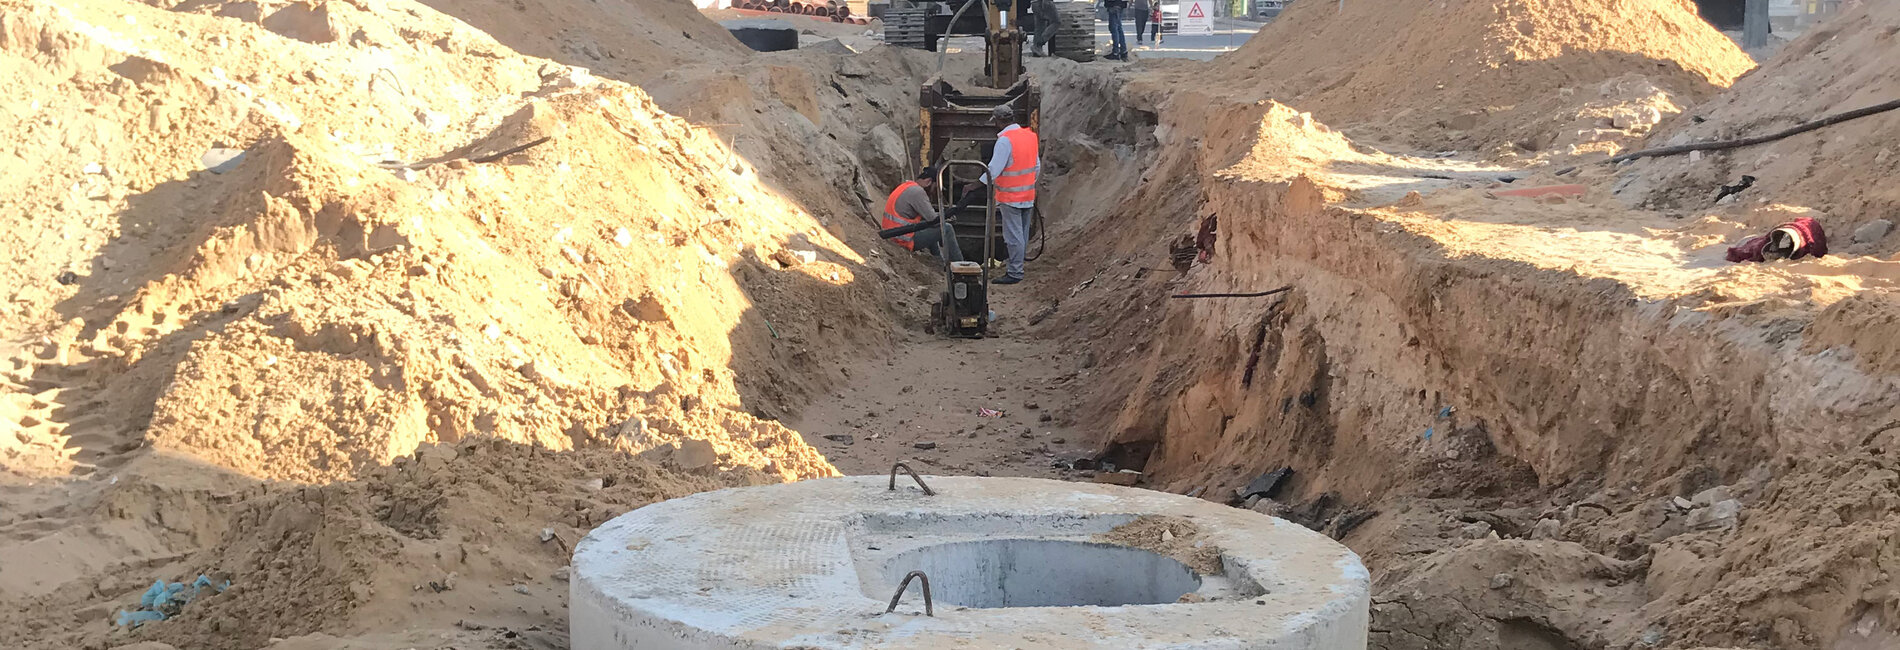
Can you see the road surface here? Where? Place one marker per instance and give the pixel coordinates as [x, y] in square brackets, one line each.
[1229, 34]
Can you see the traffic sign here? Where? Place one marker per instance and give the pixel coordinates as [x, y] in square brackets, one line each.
[1197, 17]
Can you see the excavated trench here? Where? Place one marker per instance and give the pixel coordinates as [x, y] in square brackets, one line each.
[1383, 332]
[1525, 456]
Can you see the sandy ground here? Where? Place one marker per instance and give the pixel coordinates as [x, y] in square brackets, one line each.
[924, 403]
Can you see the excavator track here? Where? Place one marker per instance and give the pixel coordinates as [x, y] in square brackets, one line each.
[907, 26]
[1075, 37]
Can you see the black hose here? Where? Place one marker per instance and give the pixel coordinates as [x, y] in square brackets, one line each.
[508, 152]
[1042, 232]
[944, 40]
[1042, 237]
[900, 231]
[1233, 295]
[968, 198]
[1719, 145]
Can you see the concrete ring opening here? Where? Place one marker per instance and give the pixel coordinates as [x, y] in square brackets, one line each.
[1012, 563]
[1043, 573]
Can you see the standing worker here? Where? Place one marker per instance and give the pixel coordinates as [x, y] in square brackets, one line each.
[909, 204]
[1141, 9]
[1117, 41]
[1012, 172]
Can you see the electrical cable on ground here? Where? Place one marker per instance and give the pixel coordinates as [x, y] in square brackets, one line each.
[1042, 237]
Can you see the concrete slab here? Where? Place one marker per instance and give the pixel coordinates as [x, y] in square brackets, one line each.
[1013, 563]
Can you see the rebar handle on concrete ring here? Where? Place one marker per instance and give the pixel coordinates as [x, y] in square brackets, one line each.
[913, 475]
[929, 610]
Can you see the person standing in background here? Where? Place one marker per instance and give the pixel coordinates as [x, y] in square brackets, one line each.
[1154, 22]
[1142, 9]
[1117, 41]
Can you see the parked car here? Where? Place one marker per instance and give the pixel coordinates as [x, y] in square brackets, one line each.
[1270, 9]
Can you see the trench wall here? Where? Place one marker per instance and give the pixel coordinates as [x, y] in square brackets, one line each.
[1387, 352]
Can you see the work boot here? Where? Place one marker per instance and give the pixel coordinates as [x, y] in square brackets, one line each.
[1007, 279]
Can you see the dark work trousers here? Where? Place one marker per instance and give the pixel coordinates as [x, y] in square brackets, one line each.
[1047, 20]
[927, 240]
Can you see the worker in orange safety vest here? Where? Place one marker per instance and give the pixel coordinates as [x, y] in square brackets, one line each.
[1013, 170]
[909, 204]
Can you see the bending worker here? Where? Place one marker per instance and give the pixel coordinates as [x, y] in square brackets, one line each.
[1013, 168]
[909, 204]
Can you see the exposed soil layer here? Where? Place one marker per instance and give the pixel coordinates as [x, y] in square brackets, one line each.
[1545, 422]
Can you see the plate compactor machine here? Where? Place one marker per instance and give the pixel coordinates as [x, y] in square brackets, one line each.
[958, 139]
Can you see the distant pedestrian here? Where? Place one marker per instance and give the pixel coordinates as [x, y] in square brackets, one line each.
[1142, 10]
[1154, 23]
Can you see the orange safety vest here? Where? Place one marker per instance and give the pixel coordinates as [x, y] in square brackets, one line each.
[1018, 182]
[892, 219]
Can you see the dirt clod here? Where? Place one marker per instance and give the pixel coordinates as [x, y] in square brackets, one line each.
[1171, 536]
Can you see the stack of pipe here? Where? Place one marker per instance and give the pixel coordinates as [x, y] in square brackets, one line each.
[836, 10]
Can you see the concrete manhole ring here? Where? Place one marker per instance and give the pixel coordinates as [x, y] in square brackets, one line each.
[1013, 563]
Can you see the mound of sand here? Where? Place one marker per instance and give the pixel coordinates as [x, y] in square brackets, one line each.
[362, 280]
[630, 299]
[1841, 170]
[630, 40]
[1471, 74]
